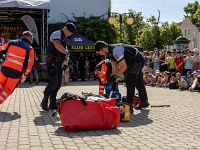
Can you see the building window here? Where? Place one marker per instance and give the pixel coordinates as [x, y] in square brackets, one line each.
[186, 32]
[194, 43]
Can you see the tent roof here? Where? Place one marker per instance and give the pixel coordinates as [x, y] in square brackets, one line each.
[36, 4]
[78, 39]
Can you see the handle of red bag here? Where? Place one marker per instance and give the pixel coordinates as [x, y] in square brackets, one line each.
[83, 100]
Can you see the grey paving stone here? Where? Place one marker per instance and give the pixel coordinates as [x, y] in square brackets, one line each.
[23, 124]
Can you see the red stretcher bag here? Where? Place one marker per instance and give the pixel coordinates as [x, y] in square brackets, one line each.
[74, 115]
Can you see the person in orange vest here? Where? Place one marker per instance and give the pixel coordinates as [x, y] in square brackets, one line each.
[17, 65]
[102, 72]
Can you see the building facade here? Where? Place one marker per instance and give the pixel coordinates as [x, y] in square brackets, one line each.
[62, 10]
[191, 33]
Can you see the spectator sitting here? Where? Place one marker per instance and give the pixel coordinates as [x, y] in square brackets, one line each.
[182, 81]
[190, 78]
[173, 81]
[146, 78]
[165, 80]
[159, 77]
[173, 76]
[152, 80]
[145, 68]
[196, 84]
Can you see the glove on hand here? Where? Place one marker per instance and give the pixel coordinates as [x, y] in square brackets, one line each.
[113, 78]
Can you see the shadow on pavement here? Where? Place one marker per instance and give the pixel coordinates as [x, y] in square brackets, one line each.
[86, 133]
[138, 120]
[46, 118]
[5, 116]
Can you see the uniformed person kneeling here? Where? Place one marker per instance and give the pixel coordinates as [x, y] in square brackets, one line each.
[56, 52]
[130, 60]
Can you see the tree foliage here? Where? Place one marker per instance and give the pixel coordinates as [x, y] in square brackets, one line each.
[166, 35]
[147, 39]
[94, 28]
[175, 30]
[192, 11]
[134, 30]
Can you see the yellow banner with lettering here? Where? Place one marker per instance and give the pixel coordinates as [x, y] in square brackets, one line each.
[10, 31]
[81, 47]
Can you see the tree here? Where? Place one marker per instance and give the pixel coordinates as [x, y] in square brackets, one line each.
[147, 39]
[175, 31]
[134, 30]
[192, 11]
[94, 28]
[156, 31]
[166, 35]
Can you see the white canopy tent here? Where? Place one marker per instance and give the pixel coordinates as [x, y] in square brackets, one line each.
[11, 12]
[37, 4]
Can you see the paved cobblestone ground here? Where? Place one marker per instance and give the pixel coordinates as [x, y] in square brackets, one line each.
[24, 126]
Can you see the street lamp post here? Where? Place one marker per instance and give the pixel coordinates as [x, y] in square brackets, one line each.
[112, 20]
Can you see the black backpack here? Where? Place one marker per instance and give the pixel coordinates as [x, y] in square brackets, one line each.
[173, 85]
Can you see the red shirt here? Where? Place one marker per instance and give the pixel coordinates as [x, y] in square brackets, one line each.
[177, 61]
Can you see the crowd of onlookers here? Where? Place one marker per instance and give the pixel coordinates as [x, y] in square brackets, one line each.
[172, 69]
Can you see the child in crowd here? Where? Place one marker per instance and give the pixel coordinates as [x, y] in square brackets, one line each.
[196, 84]
[165, 80]
[173, 76]
[182, 81]
[146, 78]
[190, 78]
[173, 81]
[156, 60]
[145, 68]
[159, 77]
[152, 80]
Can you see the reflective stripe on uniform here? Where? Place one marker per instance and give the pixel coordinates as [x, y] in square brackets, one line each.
[2, 47]
[136, 51]
[11, 54]
[103, 79]
[5, 94]
[101, 86]
[31, 60]
[14, 61]
[101, 91]
[28, 70]
[103, 72]
[2, 99]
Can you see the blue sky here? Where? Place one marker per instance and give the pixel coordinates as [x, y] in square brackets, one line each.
[170, 10]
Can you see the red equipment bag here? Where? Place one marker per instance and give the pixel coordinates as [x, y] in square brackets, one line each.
[91, 115]
[136, 100]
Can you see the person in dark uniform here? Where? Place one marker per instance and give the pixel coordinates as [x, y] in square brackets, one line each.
[81, 62]
[56, 52]
[129, 59]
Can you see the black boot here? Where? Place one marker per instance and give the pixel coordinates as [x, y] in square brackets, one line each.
[131, 108]
[142, 105]
[53, 105]
[44, 103]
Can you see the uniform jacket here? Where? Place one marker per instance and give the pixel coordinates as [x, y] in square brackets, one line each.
[19, 55]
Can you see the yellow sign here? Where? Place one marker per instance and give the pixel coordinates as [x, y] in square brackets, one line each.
[82, 47]
[10, 31]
